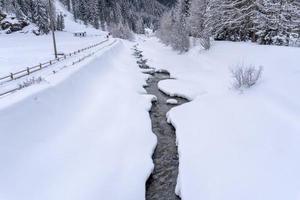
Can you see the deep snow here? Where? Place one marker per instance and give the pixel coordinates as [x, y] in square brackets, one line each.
[85, 135]
[234, 145]
[84, 132]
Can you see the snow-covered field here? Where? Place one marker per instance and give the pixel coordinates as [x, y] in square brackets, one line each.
[234, 145]
[85, 135]
[21, 50]
[28, 50]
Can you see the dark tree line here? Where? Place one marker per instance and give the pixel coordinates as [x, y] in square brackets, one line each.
[36, 11]
[134, 14]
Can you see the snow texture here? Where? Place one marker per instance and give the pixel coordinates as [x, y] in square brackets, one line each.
[234, 145]
[172, 101]
[84, 135]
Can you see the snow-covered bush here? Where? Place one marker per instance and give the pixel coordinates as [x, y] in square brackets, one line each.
[245, 76]
[173, 30]
[121, 31]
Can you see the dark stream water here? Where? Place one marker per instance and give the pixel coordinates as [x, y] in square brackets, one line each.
[162, 182]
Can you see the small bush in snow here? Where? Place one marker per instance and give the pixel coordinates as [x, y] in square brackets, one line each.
[246, 76]
[30, 82]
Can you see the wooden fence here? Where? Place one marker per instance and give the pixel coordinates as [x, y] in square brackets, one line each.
[41, 66]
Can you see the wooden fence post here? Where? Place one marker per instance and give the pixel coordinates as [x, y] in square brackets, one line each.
[12, 76]
[28, 70]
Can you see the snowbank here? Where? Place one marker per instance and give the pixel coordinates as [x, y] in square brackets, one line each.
[234, 145]
[86, 137]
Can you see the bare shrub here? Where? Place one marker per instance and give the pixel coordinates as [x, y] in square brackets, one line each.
[30, 82]
[246, 76]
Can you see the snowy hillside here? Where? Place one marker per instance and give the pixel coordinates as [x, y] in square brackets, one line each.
[25, 49]
[70, 24]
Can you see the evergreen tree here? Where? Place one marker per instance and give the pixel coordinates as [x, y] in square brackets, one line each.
[60, 22]
[263, 21]
[173, 30]
[41, 17]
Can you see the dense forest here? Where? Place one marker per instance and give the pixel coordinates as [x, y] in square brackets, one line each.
[136, 14]
[262, 21]
[133, 15]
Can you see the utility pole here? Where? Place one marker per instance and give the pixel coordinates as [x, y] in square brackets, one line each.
[52, 28]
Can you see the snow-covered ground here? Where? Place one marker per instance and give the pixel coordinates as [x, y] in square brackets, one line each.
[21, 50]
[85, 135]
[28, 50]
[234, 145]
[84, 132]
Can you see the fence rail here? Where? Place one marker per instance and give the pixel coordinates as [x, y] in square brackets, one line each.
[31, 70]
[41, 66]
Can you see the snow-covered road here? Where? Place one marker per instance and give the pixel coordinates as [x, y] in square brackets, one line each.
[86, 137]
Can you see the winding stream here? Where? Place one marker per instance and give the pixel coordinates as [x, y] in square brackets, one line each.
[162, 182]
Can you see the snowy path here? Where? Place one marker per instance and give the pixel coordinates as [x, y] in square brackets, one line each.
[86, 137]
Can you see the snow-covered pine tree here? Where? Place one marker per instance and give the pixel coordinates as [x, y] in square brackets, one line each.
[196, 22]
[166, 26]
[139, 26]
[173, 30]
[41, 17]
[180, 29]
[83, 11]
[102, 13]
[28, 7]
[277, 21]
[117, 11]
[186, 7]
[93, 14]
[232, 19]
[60, 22]
[197, 16]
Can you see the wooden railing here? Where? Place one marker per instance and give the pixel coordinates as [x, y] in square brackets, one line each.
[41, 66]
[31, 70]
